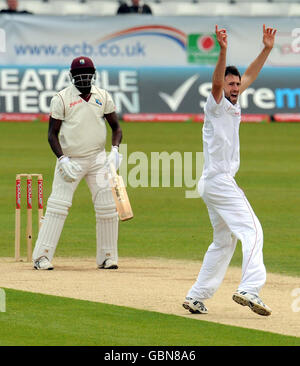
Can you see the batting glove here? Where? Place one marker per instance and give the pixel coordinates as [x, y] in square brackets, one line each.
[115, 157]
[68, 169]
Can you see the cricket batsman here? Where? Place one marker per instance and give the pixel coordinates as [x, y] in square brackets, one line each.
[77, 137]
[230, 213]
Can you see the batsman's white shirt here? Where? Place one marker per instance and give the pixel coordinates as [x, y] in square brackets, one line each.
[230, 213]
[83, 130]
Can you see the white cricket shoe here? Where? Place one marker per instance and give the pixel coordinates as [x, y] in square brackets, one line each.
[43, 263]
[108, 264]
[194, 306]
[253, 301]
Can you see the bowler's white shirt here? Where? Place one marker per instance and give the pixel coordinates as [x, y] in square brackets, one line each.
[221, 146]
[83, 130]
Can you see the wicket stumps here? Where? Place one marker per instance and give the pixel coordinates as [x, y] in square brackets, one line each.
[29, 213]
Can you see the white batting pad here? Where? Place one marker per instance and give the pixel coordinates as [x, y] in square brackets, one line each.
[107, 223]
[51, 229]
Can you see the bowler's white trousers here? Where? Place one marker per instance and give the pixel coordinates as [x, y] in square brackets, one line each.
[232, 219]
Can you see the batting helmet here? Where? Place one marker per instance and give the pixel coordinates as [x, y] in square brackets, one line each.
[82, 62]
[82, 72]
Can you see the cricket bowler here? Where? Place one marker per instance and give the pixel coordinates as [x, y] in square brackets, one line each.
[230, 213]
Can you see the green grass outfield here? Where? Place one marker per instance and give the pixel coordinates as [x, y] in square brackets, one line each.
[38, 320]
[166, 224]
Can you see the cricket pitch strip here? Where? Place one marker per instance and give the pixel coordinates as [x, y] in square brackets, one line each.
[160, 285]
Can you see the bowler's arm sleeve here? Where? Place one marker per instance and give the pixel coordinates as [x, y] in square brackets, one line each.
[212, 107]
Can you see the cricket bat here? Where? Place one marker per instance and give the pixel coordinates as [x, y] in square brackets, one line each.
[120, 195]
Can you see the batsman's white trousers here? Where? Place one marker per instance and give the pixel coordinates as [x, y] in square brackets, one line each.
[95, 172]
[232, 219]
